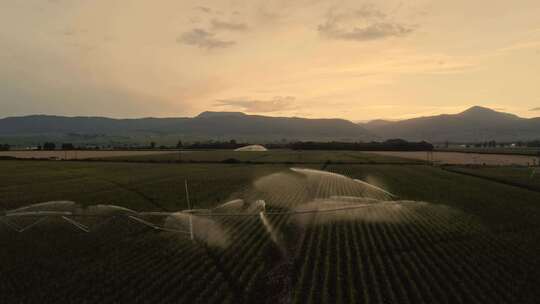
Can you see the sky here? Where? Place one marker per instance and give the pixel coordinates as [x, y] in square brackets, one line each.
[357, 60]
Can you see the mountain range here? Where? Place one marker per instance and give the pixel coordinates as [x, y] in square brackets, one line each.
[207, 125]
[474, 124]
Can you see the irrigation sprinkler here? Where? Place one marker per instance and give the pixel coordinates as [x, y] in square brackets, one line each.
[190, 215]
[429, 157]
[187, 194]
[76, 224]
[33, 224]
[262, 203]
[536, 162]
[68, 218]
[11, 225]
[146, 223]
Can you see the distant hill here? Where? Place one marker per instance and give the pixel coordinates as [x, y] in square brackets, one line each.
[207, 125]
[474, 124]
[377, 123]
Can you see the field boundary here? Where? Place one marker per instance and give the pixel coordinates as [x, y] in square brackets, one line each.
[500, 152]
[137, 192]
[492, 179]
[226, 161]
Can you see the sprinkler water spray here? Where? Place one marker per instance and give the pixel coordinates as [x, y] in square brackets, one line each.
[191, 235]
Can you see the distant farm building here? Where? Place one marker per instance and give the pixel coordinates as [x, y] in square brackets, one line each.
[252, 148]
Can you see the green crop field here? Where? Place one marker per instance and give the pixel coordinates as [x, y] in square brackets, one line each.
[518, 176]
[516, 150]
[272, 156]
[145, 187]
[402, 233]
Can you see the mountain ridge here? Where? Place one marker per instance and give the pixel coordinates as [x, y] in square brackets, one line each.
[205, 126]
[472, 125]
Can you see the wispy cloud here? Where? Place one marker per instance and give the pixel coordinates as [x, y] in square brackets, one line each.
[276, 104]
[521, 46]
[204, 9]
[229, 26]
[535, 109]
[203, 39]
[369, 32]
[366, 23]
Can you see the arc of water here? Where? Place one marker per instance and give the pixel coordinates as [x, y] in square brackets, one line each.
[141, 221]
[11, 225]
[20, 229]
[103, 222]
[156, 227]
[33, 224]
[191, 235]
[375, 187]
[76, 224]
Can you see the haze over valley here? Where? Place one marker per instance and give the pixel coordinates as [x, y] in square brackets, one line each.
[476, 124]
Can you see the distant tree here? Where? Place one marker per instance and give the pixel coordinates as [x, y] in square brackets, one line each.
[389, 145]
[68, 146]
[233, 142]
[49, 146]
[4, 147]
[152, 145]
[535, 143]
[179, 145]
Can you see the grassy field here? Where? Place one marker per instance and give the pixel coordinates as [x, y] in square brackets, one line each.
[446, 237]
[517, 150]
[519, 176]
[76, 154]
[491, 202]
[271, 157]
[461, 158]
[143, 187]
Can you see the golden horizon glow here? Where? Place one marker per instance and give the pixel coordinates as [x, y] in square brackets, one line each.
[325, 59]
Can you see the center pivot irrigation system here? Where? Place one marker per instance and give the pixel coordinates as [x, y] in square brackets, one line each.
[32, 218]
[74, 220]
[11, 219]
[193, 222]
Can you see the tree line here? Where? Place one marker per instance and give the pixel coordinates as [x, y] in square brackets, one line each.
[388, 145]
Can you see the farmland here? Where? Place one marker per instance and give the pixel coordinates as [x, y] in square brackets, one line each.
[269, 157]
[420, 234]
[519, 176]
[144, 187]
[463, 158]
[531, 151]
[76, 154]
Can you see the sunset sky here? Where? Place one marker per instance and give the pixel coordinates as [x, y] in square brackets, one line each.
[351, 59]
